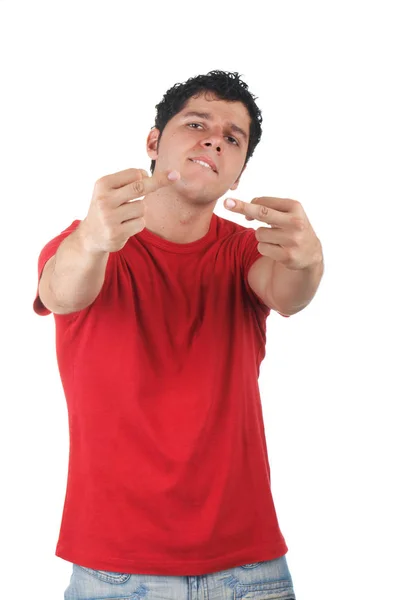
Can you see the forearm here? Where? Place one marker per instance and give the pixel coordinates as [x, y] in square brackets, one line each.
[293, 290]
[77, 275]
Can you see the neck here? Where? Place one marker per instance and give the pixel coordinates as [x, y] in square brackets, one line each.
[176, 219]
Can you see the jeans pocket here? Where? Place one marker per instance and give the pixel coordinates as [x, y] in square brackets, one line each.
[264, 580]
[107, 576]
[273, 590]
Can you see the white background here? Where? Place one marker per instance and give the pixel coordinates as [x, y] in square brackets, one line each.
[79, 85]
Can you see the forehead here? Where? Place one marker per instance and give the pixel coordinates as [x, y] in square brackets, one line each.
[235, 112]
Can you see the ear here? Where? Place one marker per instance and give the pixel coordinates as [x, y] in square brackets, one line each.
[236, 184]
[152, 143]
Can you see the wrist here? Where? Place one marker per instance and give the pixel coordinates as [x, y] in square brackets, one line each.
[86, 242]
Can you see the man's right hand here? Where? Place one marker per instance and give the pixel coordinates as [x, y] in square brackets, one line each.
[112, 218]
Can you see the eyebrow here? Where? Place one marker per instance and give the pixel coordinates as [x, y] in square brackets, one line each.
[208, 116]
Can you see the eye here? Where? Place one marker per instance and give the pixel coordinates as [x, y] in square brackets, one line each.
[228, 136]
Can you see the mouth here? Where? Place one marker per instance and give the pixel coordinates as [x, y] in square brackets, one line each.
[202, 163]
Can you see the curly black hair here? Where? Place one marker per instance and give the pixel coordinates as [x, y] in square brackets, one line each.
[225, 86]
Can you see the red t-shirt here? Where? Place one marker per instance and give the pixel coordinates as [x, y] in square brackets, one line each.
[168, 464]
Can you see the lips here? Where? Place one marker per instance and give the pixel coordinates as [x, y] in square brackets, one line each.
[207, 160]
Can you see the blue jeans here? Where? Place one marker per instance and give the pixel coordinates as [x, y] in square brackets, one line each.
[265, 580]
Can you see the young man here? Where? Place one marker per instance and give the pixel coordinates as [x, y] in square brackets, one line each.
[160, 309]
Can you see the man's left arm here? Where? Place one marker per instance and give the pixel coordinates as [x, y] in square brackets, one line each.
[283, 289]
[287, 275]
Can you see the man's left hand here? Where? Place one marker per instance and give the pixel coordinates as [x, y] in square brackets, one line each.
[290, 239]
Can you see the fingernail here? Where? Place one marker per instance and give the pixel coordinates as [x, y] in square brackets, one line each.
[230, 203]
[174, 175]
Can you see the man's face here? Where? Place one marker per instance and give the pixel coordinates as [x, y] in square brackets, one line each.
[218, 132]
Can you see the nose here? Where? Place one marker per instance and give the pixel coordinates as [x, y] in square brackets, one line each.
[209, 144]
[213, 140]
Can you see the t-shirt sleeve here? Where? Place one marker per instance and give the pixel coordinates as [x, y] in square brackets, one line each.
[47, 252]
[249, 252]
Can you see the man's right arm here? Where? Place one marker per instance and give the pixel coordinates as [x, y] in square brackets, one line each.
[73, 277]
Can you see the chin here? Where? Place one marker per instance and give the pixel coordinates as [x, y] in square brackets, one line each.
[197, 191]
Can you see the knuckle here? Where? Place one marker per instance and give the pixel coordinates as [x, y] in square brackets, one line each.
[296, 239]
[141, 223]
[296, 206]
[101, 200]
[138, 207]
[137, 187]
[263, 211]
[298, 223]
[290, 256]
[101, 183]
